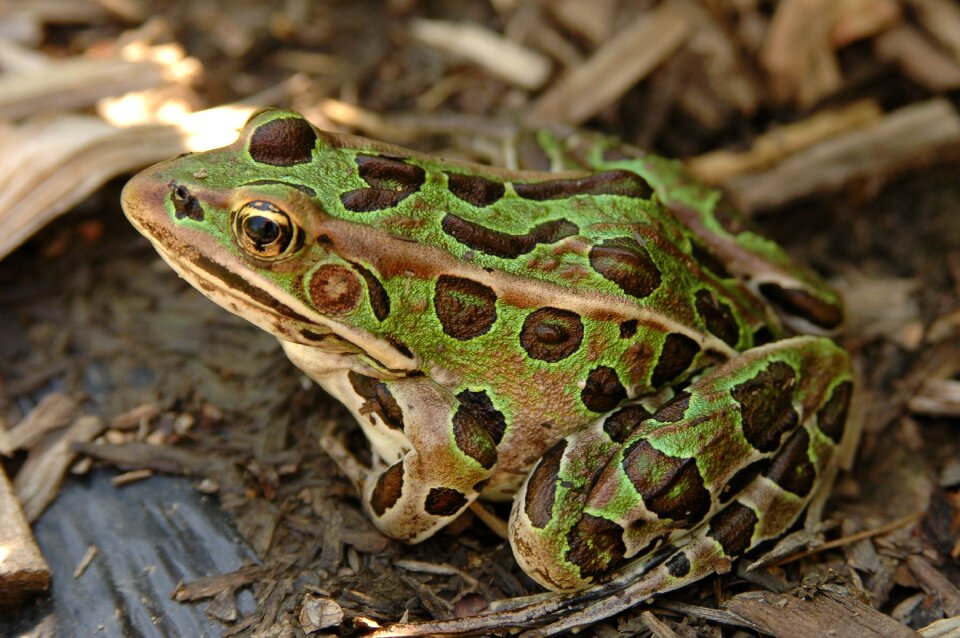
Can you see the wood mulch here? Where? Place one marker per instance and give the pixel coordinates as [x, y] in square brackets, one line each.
[833, 124]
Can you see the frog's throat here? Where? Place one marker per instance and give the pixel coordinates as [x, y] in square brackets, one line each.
[279, 313]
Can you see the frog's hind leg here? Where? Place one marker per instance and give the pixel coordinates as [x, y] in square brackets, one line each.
[729, 463]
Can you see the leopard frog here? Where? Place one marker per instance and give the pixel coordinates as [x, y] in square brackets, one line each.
[607, 346]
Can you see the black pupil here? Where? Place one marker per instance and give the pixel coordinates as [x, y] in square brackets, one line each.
[261, 230]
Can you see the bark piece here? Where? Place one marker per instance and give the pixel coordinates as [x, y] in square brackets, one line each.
[900, 139]
[919, 58]
[627, 58]
[39, 478]
[827, 615]
[503, 58]
[23, 570]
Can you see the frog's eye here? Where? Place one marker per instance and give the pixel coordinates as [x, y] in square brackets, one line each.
[265, 231]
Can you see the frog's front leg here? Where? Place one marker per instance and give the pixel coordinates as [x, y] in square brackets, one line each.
[438, 455]
[730, 462]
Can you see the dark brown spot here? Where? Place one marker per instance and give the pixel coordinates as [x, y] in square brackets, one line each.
[377, 399]
[718, 317]
[602, 391]
[678, 565]
[283, 142]
[475, 190]
[673, 410]
[379, 298]
[312, 335]
[832, 417]
[628, 328]
[498, 244]
[671, 487]
[626, 263]
[733, 527]
[617, 182]
[729, 217]
[551, 334]
[791, 468]
[802, 304]
[334, 289]
[531, 155]
[473, 439]
[596, 545]
[185, 204]
[364, 200]
[306, 190]
[465, 308]
[481, 407]
[742, 478]
[390, 180]
[676, 356]
[444, 501]
[766, 405]
[655, 542]
[387, 491]
[619, 424]
[480, 485]
[389, 173]
[542, 486]
[707, 260]
[763, 335]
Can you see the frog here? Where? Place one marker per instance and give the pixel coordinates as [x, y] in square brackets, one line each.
[601, 341]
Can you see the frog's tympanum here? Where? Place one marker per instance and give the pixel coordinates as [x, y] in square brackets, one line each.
[609, 347]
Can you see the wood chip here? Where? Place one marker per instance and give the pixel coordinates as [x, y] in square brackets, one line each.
[131, 477]
[129, 10]
[859, 19]
[726, 74]
[319, 613]
[941, 18]
[72, 155]
[57, 11]
[79, 82]
[798, 54]
[23, 570]
[826, 615]
[656, 626]
[38, 480]
[783, 141]
[503, 58]
[210, 586]
[945, 628]
[900, 139]
[937, 397]
[624, 60]
[54, 411]
[593, 19]
[935, 582]
[131, 419]
[85, 561]
[919, 58]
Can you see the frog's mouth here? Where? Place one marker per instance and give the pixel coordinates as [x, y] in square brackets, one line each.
[207, 267]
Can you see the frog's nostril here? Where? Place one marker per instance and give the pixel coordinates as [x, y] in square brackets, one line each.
[185, 204]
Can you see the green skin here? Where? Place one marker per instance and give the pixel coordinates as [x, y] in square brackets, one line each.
[606, 346]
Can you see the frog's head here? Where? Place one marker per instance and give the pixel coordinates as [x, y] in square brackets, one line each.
[245, 225]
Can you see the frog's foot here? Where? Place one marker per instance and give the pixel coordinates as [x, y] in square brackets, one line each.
[729, 463]
[441, 454]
